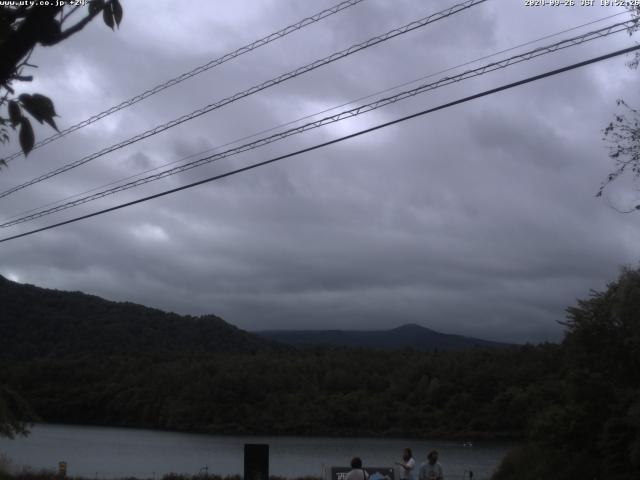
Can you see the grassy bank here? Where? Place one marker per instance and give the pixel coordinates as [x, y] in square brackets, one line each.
[48, 475]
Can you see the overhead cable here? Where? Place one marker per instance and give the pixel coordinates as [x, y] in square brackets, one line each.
[537, 52]
[196, 71]
[331, 142]
[270, 83]
[308, 116]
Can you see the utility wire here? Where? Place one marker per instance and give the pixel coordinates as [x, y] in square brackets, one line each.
[334, 141]
[603, 32]
[306, 117]
[270, 83]
[196, 71]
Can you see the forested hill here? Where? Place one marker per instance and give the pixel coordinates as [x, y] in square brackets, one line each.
[38, 322]
[407, 336]
[576, 405]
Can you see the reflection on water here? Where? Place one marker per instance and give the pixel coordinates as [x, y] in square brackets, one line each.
[97, 452]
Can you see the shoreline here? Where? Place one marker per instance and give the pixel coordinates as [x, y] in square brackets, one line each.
[434, 435]
[101, 453]
[52, 475]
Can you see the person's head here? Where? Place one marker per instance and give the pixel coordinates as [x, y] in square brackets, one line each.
[432, 457]
[356, 462]
[407, 454]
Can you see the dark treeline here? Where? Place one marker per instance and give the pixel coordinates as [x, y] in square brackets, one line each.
[311, 392]
[589, 427]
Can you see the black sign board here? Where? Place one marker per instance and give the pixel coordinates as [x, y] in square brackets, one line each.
[256, 461]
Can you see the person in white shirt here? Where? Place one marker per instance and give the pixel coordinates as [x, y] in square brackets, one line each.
[357, 472]
[407, 465]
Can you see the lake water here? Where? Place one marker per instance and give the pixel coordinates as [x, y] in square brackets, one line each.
[97, 452]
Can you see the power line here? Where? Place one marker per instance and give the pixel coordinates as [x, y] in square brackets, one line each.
[600, 33]
[306, 117]
[270, 83]
[331, 119]
[331, 142]
[196, 71]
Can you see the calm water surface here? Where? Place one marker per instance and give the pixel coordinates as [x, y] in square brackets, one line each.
[98, 452]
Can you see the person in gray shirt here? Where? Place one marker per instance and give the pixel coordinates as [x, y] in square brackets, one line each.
[431, 469]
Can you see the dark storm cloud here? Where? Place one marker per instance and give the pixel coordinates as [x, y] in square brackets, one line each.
[478, 220]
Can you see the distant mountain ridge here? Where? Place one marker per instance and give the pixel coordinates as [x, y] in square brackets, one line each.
[38, 322]
[407, 336]
[43, 323]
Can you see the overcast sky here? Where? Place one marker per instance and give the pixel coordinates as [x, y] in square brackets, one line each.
[478, 220]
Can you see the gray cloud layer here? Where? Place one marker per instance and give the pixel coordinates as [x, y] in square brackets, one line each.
[480, 219]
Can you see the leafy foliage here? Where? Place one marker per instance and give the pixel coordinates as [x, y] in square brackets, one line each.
[592, 429]
[23, 26]
[623, 133]
[623, 136]
[14, 411]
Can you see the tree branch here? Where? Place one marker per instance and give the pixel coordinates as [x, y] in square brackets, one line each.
[80, 25]
[69, 13]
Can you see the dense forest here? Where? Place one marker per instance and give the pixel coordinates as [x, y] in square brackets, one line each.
[590, 426]
[575, 406]
[318, 392]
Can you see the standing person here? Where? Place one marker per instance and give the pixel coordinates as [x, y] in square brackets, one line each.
[431, 469]
[357, 472]
[407, 465]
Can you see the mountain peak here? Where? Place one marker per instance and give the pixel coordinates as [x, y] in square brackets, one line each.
[410, 328]
[410, 335]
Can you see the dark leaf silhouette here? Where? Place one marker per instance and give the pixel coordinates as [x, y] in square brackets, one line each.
[22, 28]
[40, 107]
[107, 16]
[50, 32]
[14, 112]
[95, 6]
[117, 11]
[27, 138]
